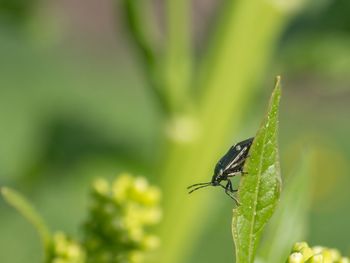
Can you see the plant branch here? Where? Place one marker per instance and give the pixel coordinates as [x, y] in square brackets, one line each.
[17, 201]
[139, 29]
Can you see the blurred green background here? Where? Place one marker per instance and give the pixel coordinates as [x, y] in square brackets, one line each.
[75, 104]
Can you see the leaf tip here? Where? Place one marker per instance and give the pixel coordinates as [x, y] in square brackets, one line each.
[278, 79]
[276, 94]
[278, 83]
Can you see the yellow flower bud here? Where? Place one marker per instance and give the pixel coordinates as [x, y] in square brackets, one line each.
[136, 234]
[315, 259]
[101, 186]
[307, 252]
[121, 187]
[335, 254]
[67, 250]
[151, 216]
[317, 249]
[73, 251]
[344, 260]
[298, 246]
[316, 254]
[296, 257]
[327, 256]
[140, 185]
[119, 220]
[152, 196]
[151, 242]
[135, 257]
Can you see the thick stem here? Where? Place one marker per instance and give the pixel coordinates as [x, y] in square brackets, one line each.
[247, 34]
[178, 57]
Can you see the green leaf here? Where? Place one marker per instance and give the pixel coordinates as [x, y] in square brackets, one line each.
[259, 190]
[17, 201]
[288, 224]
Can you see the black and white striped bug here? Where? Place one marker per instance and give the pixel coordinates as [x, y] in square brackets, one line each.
[230, 165]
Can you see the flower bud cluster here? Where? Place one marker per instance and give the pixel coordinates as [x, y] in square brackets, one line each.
[302, 253]
[65, 250]
[120, 211]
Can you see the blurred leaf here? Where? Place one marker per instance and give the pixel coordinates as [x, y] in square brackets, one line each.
[259, 190]
[17, 201]
[142, 32]
[16, 11]
[288, 224]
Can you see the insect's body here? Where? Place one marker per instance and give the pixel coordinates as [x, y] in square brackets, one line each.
[232, 162]
[229, 165]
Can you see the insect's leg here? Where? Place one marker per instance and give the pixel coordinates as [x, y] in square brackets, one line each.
[228, 186]
[234, 173]
[239, 172]
[229, 191]
[233, 198]
[230, 195]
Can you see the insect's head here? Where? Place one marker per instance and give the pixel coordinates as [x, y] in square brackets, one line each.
[217, 177]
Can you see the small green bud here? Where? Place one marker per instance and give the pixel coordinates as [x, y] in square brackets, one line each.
[298, 246]
[307, 253]
[317, 249]
[296, 257]
[151, 216]
[116, 230]
[140, 185]
[121, 187]
[101, 186]
[317, 254]
[66, 250]
[344, 260]
[315, 259]
[150, 242]
[327, 256]
[135, 257]
[151, 196]
[335, 254]
[136, 234]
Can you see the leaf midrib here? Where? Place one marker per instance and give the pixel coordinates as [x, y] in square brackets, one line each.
[257, 190]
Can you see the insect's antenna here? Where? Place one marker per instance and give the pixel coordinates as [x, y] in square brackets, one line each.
[199, 187]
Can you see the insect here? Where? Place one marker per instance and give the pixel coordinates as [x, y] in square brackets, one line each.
[230, 165]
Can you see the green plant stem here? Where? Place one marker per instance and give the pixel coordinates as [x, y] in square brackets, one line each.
[178, 57]
[246, 36]
[19, 202]
[140, 30]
